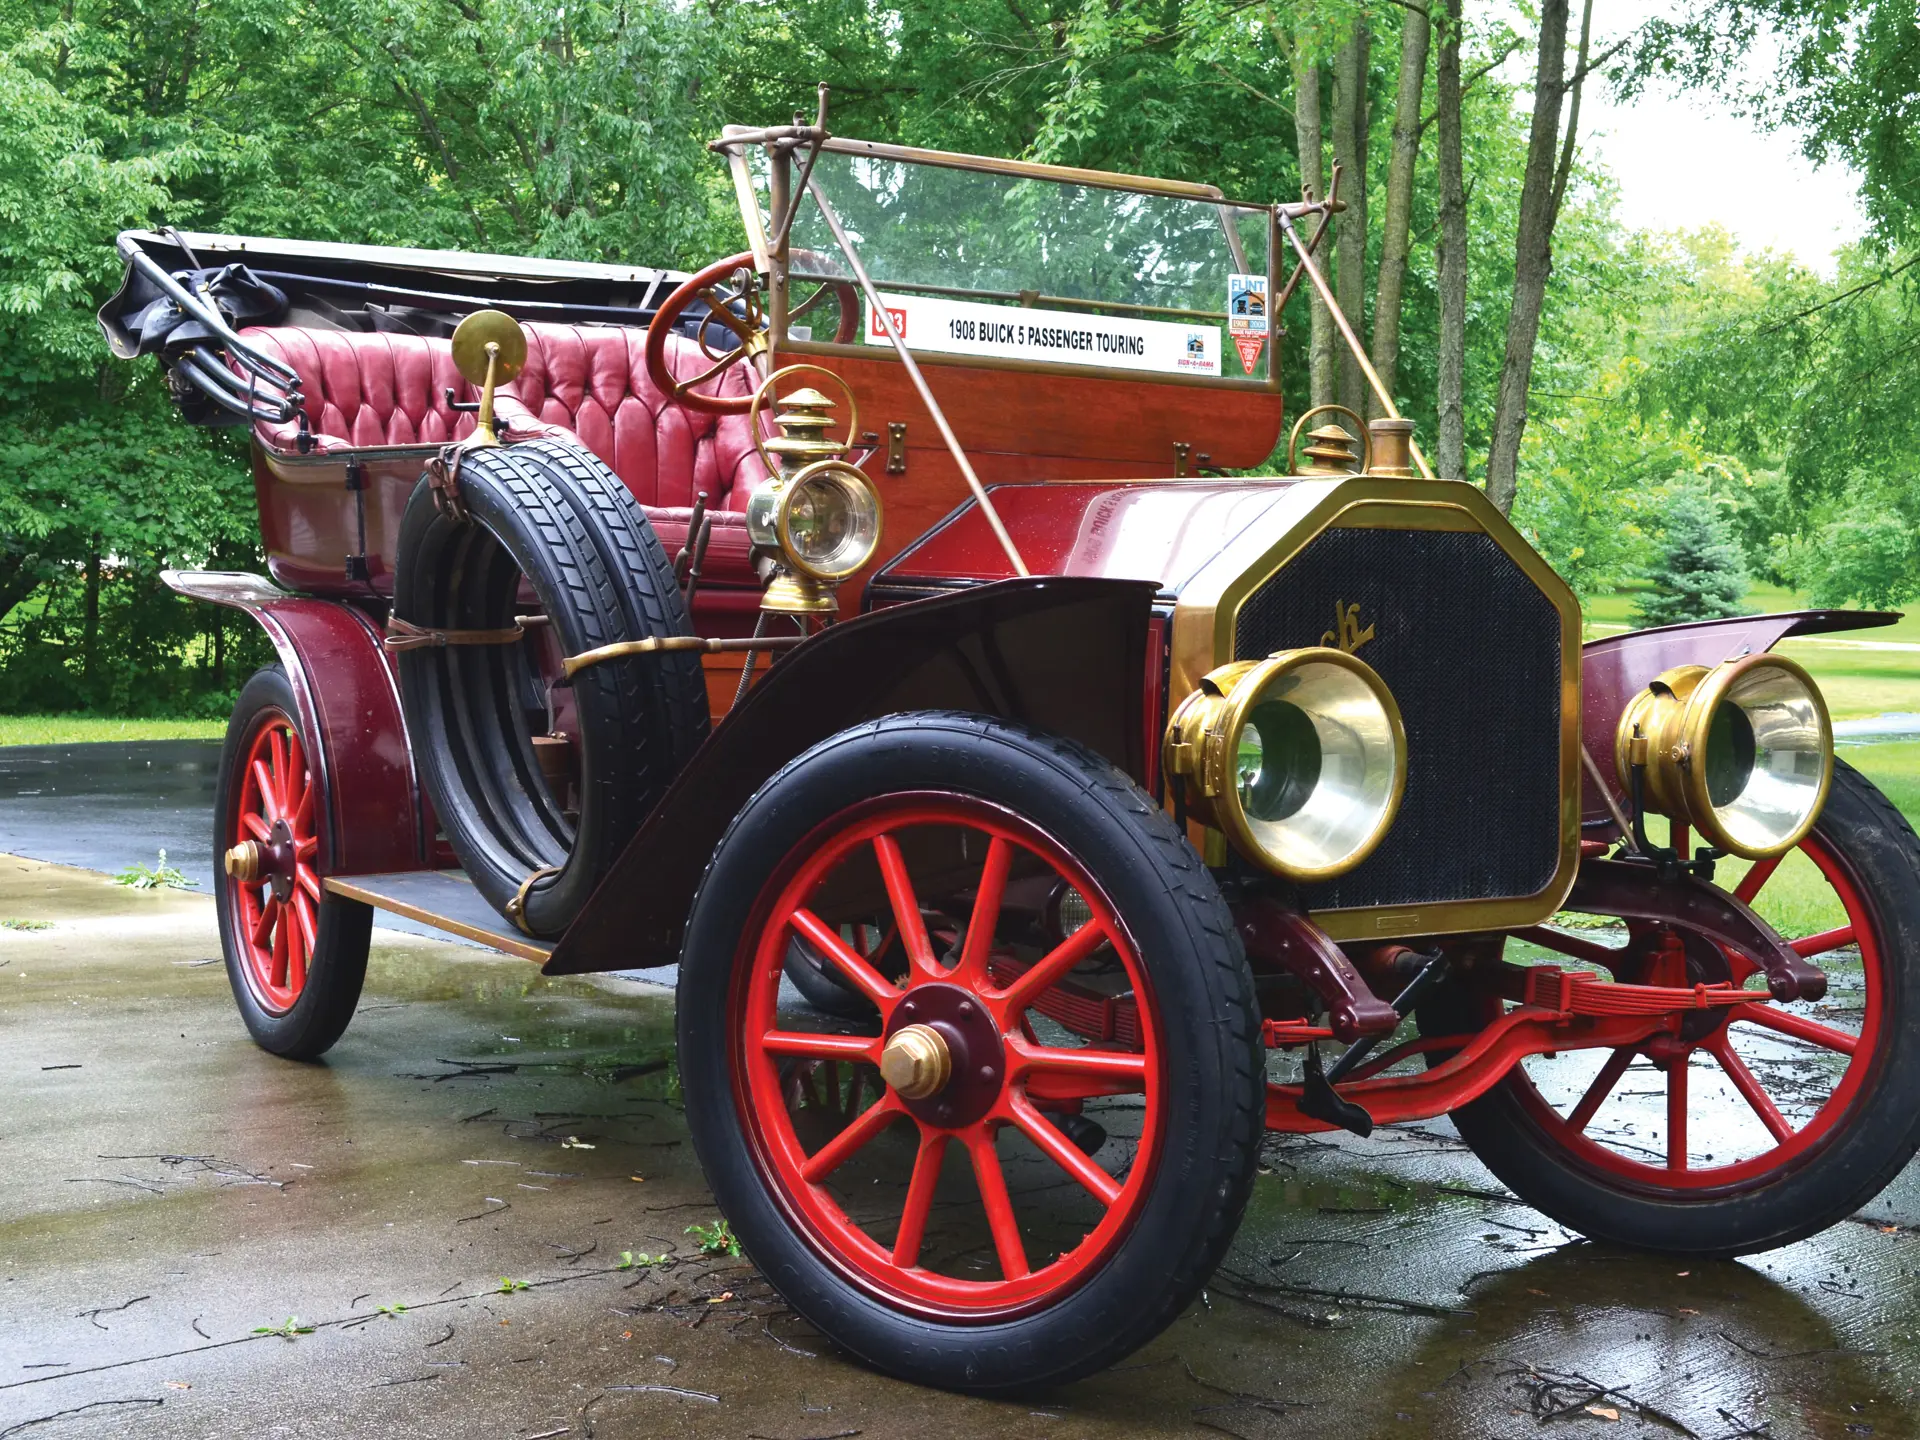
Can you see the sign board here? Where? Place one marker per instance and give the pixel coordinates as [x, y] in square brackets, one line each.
[1006, 332]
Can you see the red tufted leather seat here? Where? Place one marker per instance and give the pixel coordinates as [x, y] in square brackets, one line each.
[587, 383]
[366, 389]
[591, 381]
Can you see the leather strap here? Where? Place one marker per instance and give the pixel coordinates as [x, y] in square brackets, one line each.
[405, 635]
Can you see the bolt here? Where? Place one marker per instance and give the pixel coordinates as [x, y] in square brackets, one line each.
[966, 1007]
[987, 1072]
[907, 1008]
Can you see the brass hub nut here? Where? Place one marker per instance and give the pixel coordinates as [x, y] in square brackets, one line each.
[915, 1062]
[246, 862]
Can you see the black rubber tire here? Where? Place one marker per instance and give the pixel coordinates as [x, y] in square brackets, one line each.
[1826, 1184]
[555, 515]
[1192, 954]
[344, 931]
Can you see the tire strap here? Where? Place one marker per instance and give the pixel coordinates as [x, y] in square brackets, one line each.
[517, 907]
[443, 478]
[405, 635]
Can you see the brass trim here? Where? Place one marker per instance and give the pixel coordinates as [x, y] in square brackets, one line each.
[493, 939]
[246, 862]
[915, 1062]
[1204, 618]
[1665, 726]
[783, 517]
[1035, 170]
[1202, 736]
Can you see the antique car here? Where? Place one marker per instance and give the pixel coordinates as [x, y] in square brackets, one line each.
[893, 626]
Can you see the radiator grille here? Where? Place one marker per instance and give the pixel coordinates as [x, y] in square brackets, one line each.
[1470, 648]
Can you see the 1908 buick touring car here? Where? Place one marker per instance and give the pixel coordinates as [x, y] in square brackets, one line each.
[870, 624]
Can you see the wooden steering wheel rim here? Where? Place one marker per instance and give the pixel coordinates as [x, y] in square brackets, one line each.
[663, 322]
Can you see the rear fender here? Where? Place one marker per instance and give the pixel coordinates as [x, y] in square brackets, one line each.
[1616, 669]
[349, 696]
[1066, 655]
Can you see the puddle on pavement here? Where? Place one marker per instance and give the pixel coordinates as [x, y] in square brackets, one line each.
[481, 1123]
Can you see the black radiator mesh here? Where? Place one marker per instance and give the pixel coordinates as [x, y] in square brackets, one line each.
[1470, 648]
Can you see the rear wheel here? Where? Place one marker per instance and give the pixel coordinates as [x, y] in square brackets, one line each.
[296, 955]
[1752, 1129]
[950, 1184]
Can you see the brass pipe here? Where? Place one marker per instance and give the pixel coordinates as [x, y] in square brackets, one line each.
[1346, 331]
[919, 381]
[654, 644]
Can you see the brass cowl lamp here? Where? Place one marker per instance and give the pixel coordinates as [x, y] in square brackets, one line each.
[815, 520]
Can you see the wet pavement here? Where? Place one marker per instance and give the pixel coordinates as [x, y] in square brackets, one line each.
[168, 1192]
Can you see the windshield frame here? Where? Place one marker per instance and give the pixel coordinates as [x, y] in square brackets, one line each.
[736, 139]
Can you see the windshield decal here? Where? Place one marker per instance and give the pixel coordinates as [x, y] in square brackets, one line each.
[1247, 317]
[966, 327]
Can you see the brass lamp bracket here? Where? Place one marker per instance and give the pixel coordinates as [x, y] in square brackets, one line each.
[1331, 452]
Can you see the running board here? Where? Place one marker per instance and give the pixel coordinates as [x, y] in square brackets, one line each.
[444, 899]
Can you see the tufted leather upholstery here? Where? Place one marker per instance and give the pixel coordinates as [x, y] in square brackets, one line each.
[588, 383]
[592, 382]
[584, 383]
[366, 389]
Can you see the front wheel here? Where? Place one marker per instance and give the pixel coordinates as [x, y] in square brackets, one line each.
[1759, 1128]
[969, 1181]
[296, 955]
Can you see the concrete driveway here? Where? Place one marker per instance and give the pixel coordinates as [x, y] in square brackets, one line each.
[168, 1192]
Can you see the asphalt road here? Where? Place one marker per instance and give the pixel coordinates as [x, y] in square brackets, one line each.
[169, 1194]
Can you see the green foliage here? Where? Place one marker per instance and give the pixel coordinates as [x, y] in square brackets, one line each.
[161, 876]
[1700, 573]
[715, 1239]
[293, 1326]
[510, 1286]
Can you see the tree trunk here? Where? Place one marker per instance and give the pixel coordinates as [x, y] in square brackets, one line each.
[1451, 447]
[1350, 153]
[90, 632]
[1540, 195]
[1313, 179]
[1414, 33]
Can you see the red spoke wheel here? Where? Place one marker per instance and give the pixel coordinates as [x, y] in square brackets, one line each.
[296, 956]
[1741, 1130]
[950, 1174]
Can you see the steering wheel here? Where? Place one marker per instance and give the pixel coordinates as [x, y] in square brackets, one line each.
[846, 297]
[750, 330]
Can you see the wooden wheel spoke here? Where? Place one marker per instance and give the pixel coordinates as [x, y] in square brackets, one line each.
[1064, 1153]
[1823, 942]
[257, 826]
[1128, 1066]
[1784, 1022]
[1052, 968]
[1751, 1090]
[269, 795]
[282, 944]
[919, 1202]
[985, 921]
[278, 766]
[1677, 1112]
[859, 973]
[837, 1151]
[262, 935]
[308, 882]
[992, 1183]
[1758, 875]
[1602, 1086]
[821, 1047]
[906, 906]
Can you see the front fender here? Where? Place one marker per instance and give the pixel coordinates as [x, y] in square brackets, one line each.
[1064, 654]
[349, 697]
[1616, 669]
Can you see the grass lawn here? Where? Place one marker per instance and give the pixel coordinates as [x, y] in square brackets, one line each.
[83, 729]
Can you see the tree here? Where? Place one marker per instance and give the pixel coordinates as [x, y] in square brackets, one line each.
[1351, 131]
[1451, 359]
[1700, 574]
[1311, 148]
[1395, 237]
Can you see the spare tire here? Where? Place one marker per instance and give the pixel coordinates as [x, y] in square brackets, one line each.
[545, 529]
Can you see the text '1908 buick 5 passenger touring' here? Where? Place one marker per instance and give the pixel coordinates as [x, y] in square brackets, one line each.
[1037, 810]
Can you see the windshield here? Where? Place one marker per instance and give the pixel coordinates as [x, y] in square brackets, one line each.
[1011, 266]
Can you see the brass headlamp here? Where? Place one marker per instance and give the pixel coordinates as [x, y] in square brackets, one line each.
[1742, 751]
[815, 516]
[1300, 759]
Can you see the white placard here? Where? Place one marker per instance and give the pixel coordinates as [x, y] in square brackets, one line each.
[1007, 332]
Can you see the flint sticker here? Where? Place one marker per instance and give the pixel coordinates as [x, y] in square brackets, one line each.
[1247, 305]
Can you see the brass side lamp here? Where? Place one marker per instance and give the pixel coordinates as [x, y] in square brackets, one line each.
[815, 519]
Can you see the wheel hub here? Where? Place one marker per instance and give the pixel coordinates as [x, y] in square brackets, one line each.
[273, 863]
[943, 1056]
